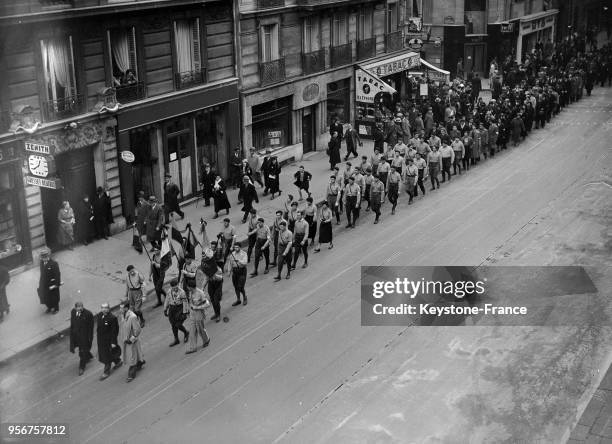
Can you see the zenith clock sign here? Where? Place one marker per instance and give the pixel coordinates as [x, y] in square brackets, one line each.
[41, 165]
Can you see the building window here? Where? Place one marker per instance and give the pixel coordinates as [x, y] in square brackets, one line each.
[10, 241]
[187, 42]
[58, 67]
[392, 18]
[272, 124]
[414, 14]
[339, 30]
[269, 43]
[475, 16]
[427, 8]
[311, 34]
[122, 50]
[364, 27]
[338, 101]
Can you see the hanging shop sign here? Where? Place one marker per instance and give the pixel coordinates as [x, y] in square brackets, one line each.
[53, 184]
[507, 28]
[415, 44]
[41, 166]
[368, 85]
[128, 156]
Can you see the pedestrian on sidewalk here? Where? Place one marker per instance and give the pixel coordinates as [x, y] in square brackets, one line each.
[208, 182]
[5, 278]
[235, 167]
[172, 193]
[65, 233]
[81, 334]
[135, 284]
[352, 141]
[310, 216]
[237, 267]
[253, 161]
[262, 244]
[245, 170]
[300, 240]
[220, 197]
[274, 171]
[252, 233]
[393, 183]
[285, 241]
[107, 331]
[333, 197]
[352, 196]
[336, 127]
[159, 266]
[142, 213]
[333, 150]
[247, 195]
[197, 314]
[377, 196]
[129, 335]
[155, 222]
[265, 169]
[176, 309]
[49, 283]
[302, 181]
[102, 215]
[325, 227]
[84, 221]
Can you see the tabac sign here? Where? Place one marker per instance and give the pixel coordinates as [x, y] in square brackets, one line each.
[396, 64]
[368, 85]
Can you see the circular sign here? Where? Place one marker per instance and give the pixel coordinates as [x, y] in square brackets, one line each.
[38, 165]
[311, 92]
[128, 156]
[438, 42]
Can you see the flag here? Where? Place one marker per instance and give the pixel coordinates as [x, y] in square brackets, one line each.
[190, 244]
[165, 254]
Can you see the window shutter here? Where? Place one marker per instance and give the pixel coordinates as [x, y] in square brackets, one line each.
[274, 42]
[197, 56]
[132, 50]
[71, 68]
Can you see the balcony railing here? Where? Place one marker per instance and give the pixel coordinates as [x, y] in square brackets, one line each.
[130, 93]
[341, 54]
[272, 72]
[265, 4]
[366, 48]
[189, 79]
[394, 41]
[313, 61]
[62, 108]
[5, 121]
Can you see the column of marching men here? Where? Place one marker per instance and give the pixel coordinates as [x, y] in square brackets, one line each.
[445, 134]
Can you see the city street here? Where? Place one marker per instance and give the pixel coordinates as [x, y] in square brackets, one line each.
[295, 365]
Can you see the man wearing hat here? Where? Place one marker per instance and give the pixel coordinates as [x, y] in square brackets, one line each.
[81, 334]
[253, 161]
[102, 213]
[135, 284]
[176, 309]
[107, 332]
[172, 193]
[208, 182]
[352, 140]
[248, 195]
[142, 213]
[129, 337]
[50, 281]
[265, 169]
[235, 167]
[155, 222]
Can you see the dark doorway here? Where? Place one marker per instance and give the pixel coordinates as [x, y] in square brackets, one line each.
[78, 176]
[308, 137]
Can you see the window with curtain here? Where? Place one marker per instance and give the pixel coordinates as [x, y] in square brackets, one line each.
[427, 8]
[364, 28]
[392, 23]
[187, 43]
[122, 50]
[311, 34]
[415, 8]
[58, 68]
[269, 43]
[339, 30]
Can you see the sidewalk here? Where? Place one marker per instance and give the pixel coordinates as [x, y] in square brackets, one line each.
[94, 274]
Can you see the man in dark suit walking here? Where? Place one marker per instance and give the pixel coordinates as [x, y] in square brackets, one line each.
[81, 334]
[108, 348]
[49, 283]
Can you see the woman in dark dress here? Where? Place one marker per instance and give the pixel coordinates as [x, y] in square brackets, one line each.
[208, 182]
[273, 177]
[220, 197]
[325, 227]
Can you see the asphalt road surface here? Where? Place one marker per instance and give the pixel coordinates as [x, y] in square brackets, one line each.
[296, 366]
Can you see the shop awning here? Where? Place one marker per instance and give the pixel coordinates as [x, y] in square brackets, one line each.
[438, 74]
[395, 64]
[367, 85]
[435, 68]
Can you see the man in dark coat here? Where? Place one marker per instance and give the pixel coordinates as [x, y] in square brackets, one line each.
[84, 220]
[379, 138]
[81, 334]
[100, 210]
[235, 167]
[108, 348]
[352, 141]
[208, 182]
[265, 170]
[155, 222]
[50, 281]
[248, 195]
[171, 197]
[336, 127]
[333, 150]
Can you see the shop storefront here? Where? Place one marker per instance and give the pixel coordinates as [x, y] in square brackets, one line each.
[534, 29]
[179, 138]
[66, 165]
[15, 246]
[272, 124]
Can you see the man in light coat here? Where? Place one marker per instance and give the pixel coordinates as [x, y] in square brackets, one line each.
[129, 335]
